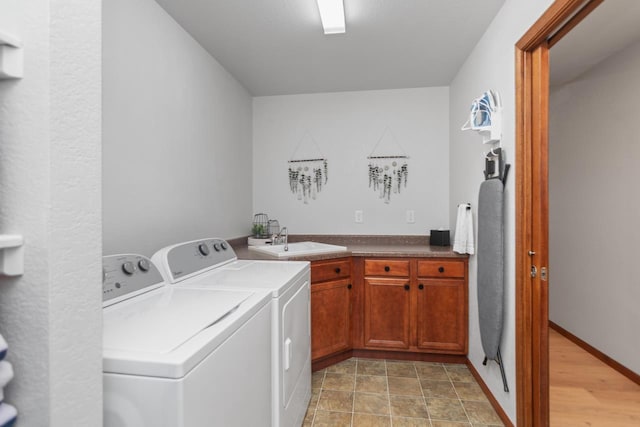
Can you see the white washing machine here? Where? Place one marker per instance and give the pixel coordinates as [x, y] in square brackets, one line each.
[182, 357]
[288, 283]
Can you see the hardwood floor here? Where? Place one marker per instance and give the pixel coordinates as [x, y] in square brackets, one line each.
[586, 392]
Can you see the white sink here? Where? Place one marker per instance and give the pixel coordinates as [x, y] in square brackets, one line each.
[298, 249]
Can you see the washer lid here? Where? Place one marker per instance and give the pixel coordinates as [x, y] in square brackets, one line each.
[160, 321]
[275, 276]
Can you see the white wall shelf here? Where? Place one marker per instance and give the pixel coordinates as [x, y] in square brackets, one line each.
[486, 117]
[11, 57]
[11, 255]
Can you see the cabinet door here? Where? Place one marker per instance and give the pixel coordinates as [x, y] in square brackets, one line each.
[386, 313]
[330, 317]
[442, 315]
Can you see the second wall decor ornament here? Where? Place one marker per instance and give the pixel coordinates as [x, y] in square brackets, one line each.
[388, 167]
[309, 171]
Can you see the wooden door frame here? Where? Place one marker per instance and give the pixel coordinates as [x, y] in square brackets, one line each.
[532, 215]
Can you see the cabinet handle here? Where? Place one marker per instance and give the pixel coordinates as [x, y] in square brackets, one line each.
[349, 286]
[407, 287]
[387, 268]
[337, 270]
[420, 286]
[441, 269]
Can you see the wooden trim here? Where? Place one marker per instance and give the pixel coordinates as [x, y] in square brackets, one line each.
[496, 406]
[575, 20]
[316, 365]
[404, 355]
[524, 374]
[532, 389]
[532, 77]
[357, 302]
[540, 231]
[596, 353]
[559, 12]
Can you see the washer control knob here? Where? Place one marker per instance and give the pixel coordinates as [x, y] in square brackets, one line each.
[129, 268]
[224, 245]
[143, 264]
[204, 250]
[216, 246]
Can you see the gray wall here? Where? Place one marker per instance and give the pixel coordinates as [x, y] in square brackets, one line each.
[177, 135]
[594, 232]
[491, 65]
[346, 127]
[50, 176]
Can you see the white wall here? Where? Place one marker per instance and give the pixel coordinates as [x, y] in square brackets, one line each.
[177, 135]
[491, 65]
[346, 127]
[50, 190]
[594, 206]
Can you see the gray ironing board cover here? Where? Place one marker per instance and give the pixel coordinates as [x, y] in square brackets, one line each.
[491, 265]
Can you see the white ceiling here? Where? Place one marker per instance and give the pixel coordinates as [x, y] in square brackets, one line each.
[278, 47]
[611, 27]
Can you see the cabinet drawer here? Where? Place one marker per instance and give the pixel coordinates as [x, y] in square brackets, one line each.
[384, 267]
[441, 269]
[322, 271]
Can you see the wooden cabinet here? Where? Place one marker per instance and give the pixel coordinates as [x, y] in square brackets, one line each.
[384, 305]
[322, 271]
[441, 269]
[415, 305]
[386, 267]
[387, 313]
[387, 304]
[331, 304]
[442, 306]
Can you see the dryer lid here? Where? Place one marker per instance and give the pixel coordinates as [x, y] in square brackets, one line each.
[160, 321]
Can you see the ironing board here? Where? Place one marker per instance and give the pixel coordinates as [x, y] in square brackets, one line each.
[491, 269]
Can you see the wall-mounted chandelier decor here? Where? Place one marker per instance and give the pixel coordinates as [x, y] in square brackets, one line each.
[388, 173]
[308, 173]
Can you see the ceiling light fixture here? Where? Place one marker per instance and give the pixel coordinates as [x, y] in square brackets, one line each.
[332, 15]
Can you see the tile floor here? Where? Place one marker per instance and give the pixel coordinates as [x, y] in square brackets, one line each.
[371, 393]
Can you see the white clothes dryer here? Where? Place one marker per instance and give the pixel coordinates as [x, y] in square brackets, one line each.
[180, 357]
[288, 283]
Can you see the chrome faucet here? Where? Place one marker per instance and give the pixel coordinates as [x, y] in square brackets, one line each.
[282, 236]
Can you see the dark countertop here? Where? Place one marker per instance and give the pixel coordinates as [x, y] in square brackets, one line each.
[365, 246]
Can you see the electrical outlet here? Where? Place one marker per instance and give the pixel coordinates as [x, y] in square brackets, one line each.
[359, 217]
[411, 216]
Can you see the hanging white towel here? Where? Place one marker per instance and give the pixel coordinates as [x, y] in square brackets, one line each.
[463, 242]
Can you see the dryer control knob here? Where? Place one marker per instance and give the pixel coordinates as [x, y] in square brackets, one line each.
[129, 268]
[144, 265]
[204, 250]
[216, 246]
[224, 245]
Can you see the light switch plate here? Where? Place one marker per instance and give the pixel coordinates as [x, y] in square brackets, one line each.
[411, 216]
[359, 217]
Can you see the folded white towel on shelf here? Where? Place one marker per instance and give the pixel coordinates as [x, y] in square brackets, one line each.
[8, 415]
[463, 242]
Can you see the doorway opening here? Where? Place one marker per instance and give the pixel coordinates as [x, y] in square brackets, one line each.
[532, 205]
